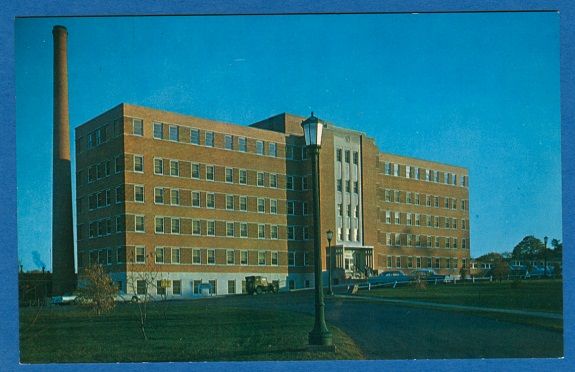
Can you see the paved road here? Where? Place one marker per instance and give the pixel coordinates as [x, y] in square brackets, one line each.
[392, 331]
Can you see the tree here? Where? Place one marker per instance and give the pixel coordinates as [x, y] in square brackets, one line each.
[142, 278]
[501, 270]
[98, 289]
[557, 252]
[490, 257]
[529, 249]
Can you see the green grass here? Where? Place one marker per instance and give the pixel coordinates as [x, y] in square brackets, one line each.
[186, 332]
[534, 295]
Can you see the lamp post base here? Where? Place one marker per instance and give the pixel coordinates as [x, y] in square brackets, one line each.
[320, 338]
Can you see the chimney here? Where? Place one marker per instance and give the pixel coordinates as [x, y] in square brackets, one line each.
[62, 225]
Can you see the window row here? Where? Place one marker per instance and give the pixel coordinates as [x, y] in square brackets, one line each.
[341, 154]
[407, 197]
[410, 262]
[430, 175]
[416, 219]
[423, 241]
[232, 229]
[99, 136]
[221, 256]
[350, 186]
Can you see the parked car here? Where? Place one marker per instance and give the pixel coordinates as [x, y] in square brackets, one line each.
[260, 284]
[538, 272]
[428, 275]
[389, 277]
[64, 300]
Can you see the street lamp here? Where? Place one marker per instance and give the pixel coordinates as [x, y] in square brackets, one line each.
[319, 335]
[329, 234]
[545, 257]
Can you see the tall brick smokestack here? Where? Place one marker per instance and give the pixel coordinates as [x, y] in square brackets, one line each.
[62, 225]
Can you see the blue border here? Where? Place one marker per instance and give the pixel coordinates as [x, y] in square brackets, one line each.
[9, 354]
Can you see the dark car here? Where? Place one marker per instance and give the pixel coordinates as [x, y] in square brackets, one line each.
[538, 272]
[389, 277]
[428, 275]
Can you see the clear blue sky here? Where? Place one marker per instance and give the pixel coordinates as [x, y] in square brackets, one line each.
[477, 90]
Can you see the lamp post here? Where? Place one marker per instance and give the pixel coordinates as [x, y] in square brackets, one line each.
[329, 235]
[319, 335]
[545, 257]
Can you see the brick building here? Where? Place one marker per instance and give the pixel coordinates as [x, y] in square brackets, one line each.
[199, 201]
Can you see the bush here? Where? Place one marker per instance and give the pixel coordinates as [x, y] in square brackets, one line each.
[98, 290]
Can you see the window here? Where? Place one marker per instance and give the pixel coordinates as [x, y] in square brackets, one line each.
[416, 198]
[273, 180]
[355, 157]
[196, 256]
[209, 172]
[243, 230]
[290, 207]
[261, 231]
[120, 223]
[305, 233]
[211, 228]
[138, 194]
[242, 144]
[260, 179]
[261, 205]
[138, 127]
[289, 152]
[138, 163]
[387, 170]
[118, 165]
[356, 187]
[243, 203]
[243, 177]
[160, 289]
[396, 170]
[272, 149]
[243, 257]
[437, 265]
[141, 287]
[408, 198]
[138, 223]
[140, 254]
[274, 258]
[195, 170]
[446, 203]
[291, 233]
[261, 258]
[158, 166]
[159, 195]
[196, 227]
[229, 175]
[230, 257]
[230, 229]
[194, 136]
[210, 139]
[397, 196]
[175, 222]
[159, 222]
[303, 153]
[228, 142]
[304, 208]
[436, 201]
[388, 217]
[339, 185]
[195, 198]
[177, 287]
[274, 231]
[211, 256]
[175, 255]
[397, 239]
[210, 200]
[174, 133]
[398, 262]
[229, 202]
[289, 182]
[158, 131]
[347, 153]
[231, 286]
[417, 219]
[174, 168]
[159, 255]
[273, 206]
[175, 197]
[407, 171]
[259, 147]
[338, 154]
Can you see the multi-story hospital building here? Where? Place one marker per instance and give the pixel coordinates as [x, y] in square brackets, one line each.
[201, 201]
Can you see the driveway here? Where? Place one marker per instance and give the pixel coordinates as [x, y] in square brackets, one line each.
[392, 331]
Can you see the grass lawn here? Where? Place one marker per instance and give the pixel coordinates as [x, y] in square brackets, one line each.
[177, 332]
[528, 295]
